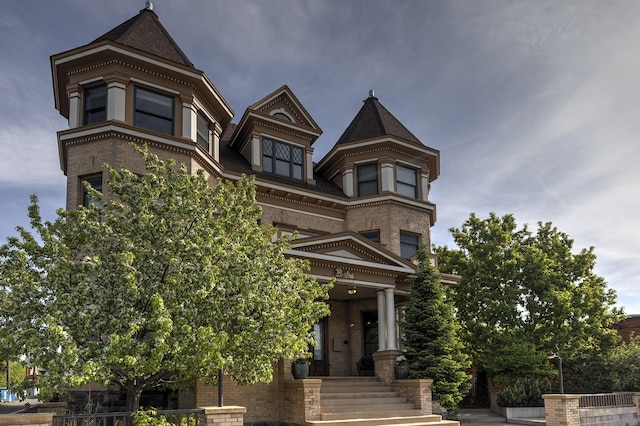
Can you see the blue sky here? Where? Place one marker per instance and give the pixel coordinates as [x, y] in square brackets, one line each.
[533, 105]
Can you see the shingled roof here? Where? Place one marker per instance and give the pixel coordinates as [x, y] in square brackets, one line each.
[145, 32]
[373, 121]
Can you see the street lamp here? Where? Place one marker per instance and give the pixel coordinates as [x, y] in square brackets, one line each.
[552, 356]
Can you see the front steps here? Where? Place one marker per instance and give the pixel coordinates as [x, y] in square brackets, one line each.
[364, 401]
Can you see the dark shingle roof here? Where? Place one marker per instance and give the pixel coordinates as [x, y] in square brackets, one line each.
[374, 120]
[145, 32]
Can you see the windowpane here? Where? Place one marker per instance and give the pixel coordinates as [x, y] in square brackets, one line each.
[367, 179]
[282, 159]
[96, 183]
[203, 131]
[267, 147]
[373, 236]
[406, 181]
[95, 104]
[153, 111]
[408, 245]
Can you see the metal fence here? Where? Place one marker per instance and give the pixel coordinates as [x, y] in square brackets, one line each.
[620, 399]
[174, 417]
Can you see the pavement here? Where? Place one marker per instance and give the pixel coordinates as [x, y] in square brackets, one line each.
[485, 417]
[16, 406]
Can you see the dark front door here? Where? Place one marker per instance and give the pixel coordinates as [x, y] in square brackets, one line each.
[320, 362]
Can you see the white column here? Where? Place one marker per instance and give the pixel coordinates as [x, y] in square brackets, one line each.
[74, 109]
[215, 141]
[391, 319]
[424, 185]
[189, 121]
[308, 164]
[382, 335]
[116, 100]
[387, 180]
[347, 182]
[256, 153]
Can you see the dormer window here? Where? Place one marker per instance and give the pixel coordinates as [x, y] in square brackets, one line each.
[367, 179]
[153, 111]
[204, 130]
[406, 181]
[95, 104]
[282, 159]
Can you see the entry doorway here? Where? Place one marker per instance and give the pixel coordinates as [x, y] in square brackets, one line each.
[369, 333]
[320, 359]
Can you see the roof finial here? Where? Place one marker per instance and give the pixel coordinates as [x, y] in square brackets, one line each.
[372, 94]
[148, 5]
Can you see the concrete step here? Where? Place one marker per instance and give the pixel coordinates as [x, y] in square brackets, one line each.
[363, 399]
[386, 393]
[370, 414]
[420, 420]
[369, 408]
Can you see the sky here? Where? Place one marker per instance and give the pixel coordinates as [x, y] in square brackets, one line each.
[534, 106]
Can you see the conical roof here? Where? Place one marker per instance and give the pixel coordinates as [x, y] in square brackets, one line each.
[373, 121]
[145, 32]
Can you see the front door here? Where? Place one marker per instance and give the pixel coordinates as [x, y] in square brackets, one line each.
[320, 362]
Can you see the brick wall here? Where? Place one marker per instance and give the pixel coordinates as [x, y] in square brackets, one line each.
[562, 410]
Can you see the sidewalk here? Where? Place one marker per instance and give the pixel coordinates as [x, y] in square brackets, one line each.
[485, 417]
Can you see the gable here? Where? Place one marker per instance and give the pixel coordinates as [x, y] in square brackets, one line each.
[350, 248]
[283, 101]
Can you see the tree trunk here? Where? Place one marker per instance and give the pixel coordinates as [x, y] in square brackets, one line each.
[134, 391]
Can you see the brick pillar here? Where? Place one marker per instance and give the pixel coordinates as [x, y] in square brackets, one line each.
[384, 363]
[301, 400]
[417, 392]
[222, 416]
[562, 410]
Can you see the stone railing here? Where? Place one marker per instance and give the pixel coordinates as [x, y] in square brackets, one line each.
[594, 409]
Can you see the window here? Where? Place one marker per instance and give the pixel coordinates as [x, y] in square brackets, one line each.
[96, 183]
[408, 245]
[204, 126]
[407, 181]
[153, 111]
[373, 236]
[282, 159]
[95, 104]
[282, 115]
[367, 179]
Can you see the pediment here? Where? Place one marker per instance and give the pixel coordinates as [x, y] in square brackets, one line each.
[349, 248]
[283, 105]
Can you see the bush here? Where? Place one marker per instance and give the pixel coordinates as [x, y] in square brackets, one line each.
[525, 392]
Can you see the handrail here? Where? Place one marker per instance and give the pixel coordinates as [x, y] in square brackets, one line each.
[618, 399]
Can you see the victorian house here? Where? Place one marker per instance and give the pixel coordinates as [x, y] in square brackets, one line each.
[360, 212]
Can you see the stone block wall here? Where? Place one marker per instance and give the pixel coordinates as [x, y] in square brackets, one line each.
[417, 392]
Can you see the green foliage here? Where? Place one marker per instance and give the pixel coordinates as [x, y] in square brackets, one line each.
[432, 342]
[16, 373]
[152, 418]
[524, 288]
[624, 366]
[170, 280]
[524, 392]
[615, 370]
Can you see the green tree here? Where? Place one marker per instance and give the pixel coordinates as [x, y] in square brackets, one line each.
[434, 348]
[169, 280]
[527, 290]
[16, 373]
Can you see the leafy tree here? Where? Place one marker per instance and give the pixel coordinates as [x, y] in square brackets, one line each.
[522, 288]
[434, 348]
[16, 373]
[169, 280]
